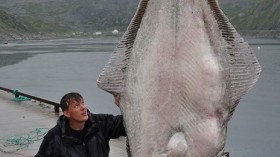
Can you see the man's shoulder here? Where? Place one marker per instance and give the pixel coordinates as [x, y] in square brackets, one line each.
[97, 117]
[102, 119]
[101, 116]
[53, 132]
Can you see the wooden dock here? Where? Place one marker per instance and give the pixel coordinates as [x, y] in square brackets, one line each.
[29, 120]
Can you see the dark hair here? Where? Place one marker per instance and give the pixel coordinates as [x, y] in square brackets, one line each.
[64, 102]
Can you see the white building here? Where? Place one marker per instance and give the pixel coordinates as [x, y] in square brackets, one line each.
[98, 33]
[115, 31]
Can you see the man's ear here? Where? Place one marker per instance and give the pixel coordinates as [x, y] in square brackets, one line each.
[66, 114]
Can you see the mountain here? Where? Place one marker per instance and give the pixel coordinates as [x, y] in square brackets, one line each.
[60, 17]
[257, 16]
[76, 15]
[11, 27]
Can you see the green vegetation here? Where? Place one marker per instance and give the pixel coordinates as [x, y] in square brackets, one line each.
[41, 25]
[254, 17]
[259, 15]
[40, 21]
[12, 24]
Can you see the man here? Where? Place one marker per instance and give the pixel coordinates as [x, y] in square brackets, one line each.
[79, 133]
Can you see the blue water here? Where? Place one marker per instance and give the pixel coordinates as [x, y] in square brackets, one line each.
[60, 66]
[51, 68]
[254, 129]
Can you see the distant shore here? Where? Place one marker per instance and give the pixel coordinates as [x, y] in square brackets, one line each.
[274, 34]
[4, 38]
[10, 59]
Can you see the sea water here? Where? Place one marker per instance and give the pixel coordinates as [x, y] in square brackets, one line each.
[51, 68]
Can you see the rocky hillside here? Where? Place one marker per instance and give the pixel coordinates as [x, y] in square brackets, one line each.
[84, 16]
[58, 17]
[260, 17]
[12, 27]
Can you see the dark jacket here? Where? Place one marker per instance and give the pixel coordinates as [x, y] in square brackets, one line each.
[99, 129]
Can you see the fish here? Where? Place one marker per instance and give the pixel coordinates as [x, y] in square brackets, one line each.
[180, 69]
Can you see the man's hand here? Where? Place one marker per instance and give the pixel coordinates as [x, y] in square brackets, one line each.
[117, 100]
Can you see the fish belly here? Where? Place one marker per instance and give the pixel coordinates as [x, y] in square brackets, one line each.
[175, 85]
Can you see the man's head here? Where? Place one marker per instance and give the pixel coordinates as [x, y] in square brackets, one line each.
[73, 107]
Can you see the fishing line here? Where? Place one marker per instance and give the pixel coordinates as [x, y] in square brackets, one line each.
[13, 144]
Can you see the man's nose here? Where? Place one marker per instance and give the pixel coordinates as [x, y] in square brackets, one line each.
[83, 106]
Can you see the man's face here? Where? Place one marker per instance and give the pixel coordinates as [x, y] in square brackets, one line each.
[76, 111]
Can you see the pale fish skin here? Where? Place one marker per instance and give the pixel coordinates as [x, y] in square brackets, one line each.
[180, 70]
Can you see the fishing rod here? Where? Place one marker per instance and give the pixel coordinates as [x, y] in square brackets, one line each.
[17, 94]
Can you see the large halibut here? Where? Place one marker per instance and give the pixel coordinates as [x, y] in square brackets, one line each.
[180, 69]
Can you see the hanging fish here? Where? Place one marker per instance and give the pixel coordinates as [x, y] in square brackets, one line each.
[180, 69]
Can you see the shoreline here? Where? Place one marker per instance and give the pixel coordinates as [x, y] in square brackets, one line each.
[271, 34]
[7, 59]
[11, 59]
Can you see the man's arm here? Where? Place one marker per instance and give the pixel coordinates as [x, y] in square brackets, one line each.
[117, 100]
[111, 126]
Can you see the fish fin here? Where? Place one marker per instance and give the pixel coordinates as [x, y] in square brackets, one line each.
[226, 154]
[128, 148]
[111, 78]
[244, 67]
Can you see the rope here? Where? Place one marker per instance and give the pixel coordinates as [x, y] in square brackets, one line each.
[13, 144]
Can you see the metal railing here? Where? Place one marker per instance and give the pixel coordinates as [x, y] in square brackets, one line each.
[17, 93]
